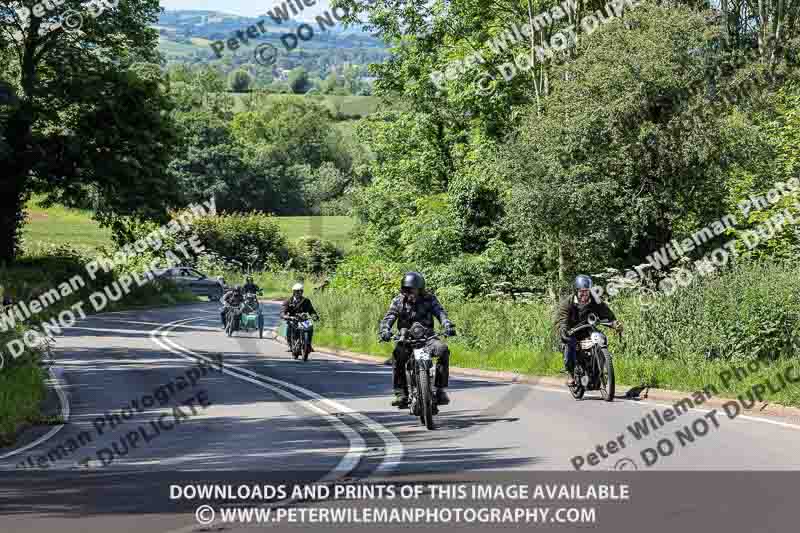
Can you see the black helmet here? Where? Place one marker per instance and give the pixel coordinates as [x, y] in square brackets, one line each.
[582, 282]
[413, 280]
[237, 288]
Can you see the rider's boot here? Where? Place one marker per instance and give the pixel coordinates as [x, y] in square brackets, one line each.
[441, 397]
[400, 398]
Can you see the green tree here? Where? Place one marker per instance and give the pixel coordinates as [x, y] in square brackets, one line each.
[74, 129]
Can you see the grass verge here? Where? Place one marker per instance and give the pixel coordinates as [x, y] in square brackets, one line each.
[684, 342]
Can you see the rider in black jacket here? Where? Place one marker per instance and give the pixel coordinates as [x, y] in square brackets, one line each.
[413, 304]
[294, 306]
[249, 286]
[575, 309]
[232, 300]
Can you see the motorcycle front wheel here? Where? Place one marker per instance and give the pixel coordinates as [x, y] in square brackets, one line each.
[229, 326]
[306, 347]
[295, 346]
[607, 384]
[426, 398]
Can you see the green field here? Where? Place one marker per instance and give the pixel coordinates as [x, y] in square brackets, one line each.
[171, 48]
[346, 105]
[335, 229]
[60, 225]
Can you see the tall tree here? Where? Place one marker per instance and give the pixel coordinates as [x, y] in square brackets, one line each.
[91, 113]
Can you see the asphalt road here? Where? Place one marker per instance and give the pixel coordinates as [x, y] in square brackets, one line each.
[264, 416]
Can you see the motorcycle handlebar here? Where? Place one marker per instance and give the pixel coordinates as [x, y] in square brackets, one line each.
[606, 323]
[398, 338]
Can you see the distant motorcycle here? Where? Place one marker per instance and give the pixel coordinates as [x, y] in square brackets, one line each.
[420, 369]
[301, 326]
[250, 317]
[594, 365]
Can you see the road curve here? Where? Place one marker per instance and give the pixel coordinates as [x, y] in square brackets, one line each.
[325, 419]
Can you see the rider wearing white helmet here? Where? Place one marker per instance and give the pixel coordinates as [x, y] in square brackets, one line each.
[296, 305]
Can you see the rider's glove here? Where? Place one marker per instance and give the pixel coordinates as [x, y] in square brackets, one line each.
[385, 335]
[449, 329]
[618, 326]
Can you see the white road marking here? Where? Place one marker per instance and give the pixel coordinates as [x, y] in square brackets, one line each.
[393, 447]
[356, 441]
[122, 321]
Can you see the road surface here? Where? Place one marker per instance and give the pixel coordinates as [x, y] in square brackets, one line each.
[263, 414]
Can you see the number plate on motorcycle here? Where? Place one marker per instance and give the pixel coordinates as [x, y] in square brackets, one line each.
[420, 354]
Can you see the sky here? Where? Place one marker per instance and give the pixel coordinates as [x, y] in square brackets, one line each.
[245, 8]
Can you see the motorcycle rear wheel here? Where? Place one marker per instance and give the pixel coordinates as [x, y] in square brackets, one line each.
[607, 383]
[426, 398]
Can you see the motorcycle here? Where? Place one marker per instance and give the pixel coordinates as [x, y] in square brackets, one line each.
[420, 369]
[251, 317]
[594, 365]
[300, 342]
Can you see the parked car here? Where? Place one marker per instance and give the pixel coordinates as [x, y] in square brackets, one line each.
[194, 281]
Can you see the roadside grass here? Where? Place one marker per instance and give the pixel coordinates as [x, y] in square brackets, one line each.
[22, 390]
[21, 379]
[274, 285]
[671, 375]
[521, 338]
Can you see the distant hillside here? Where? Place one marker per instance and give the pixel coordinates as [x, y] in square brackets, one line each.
[182, 26]
[186, 35]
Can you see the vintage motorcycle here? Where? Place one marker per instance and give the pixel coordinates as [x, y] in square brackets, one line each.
[594, 365]
[300, 342]
[420, 369]
[251, 317]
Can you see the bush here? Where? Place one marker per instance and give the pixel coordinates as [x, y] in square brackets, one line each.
[752, 312]
[314, 255]
[252, 240]
[368, 274]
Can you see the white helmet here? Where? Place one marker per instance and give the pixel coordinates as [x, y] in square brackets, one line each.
[297, 287]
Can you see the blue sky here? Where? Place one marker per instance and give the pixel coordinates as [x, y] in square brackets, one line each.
[245, 8]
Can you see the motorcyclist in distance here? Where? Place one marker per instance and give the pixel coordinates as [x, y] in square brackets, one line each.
[231, 300]
[574, 310]
[249, 286]
[414, 304]
[294, 306]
